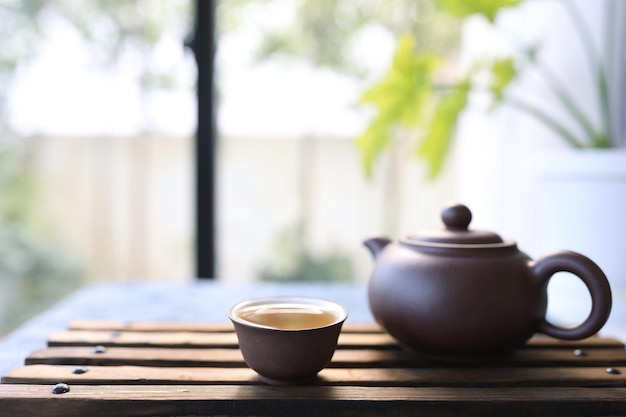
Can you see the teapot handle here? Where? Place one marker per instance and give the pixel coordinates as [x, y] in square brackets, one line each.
[595, 280]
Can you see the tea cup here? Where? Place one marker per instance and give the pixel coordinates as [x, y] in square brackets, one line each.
[287, 340]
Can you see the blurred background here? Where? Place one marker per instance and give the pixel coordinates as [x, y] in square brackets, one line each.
[98, 116]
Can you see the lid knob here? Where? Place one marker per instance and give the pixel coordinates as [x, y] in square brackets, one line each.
[456, 217]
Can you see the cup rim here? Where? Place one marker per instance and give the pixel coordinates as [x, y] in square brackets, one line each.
[340, 312]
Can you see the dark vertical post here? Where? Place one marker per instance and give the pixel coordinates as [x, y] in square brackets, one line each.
[202, 43]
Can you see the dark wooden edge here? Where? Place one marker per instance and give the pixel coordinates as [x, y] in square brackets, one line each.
[187, 400]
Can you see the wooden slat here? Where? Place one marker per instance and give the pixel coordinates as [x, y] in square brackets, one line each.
[305, 401]
[440, 377]
[351, 340]
[132, 356]
[562, 357]
[141, 339]
[150, 326]
[538, 340]
[192, 339]
[128, 375]
[191, 327]
[594, 342]
[78, 355]
[81, 355]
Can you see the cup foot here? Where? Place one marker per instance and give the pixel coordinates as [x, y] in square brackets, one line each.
[280, 382]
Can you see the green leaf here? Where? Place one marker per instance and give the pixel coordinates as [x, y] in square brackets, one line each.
[399, 98]
[401, 94]
[434, 147]
[487, 8]
[502, 73]
[372, 142]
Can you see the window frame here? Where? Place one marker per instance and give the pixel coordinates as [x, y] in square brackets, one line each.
[202, 42]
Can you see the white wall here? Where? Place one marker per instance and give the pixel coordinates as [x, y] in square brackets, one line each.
[126, 204]
[266, 183]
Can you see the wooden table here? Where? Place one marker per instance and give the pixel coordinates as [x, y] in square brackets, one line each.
[157, 367]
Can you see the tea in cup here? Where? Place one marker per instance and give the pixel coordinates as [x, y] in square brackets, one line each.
[287, 339]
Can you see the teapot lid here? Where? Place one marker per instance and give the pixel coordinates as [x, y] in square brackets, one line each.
[457, 219]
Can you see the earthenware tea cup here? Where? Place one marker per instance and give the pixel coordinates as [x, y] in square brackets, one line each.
[287, 340]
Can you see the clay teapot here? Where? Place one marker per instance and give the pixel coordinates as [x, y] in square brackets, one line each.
[462, 294]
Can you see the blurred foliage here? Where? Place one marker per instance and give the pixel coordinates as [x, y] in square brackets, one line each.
[34, 274]
[35, 269]
[323, 32]
[412, 96]
[421, 90]
[487, 8]
[293, 261]
[409, 95]
[112, 29]
[18, 188]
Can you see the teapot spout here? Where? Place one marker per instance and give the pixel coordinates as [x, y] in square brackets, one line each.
[376, 244]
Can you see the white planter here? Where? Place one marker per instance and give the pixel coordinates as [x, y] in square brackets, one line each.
[582, 207]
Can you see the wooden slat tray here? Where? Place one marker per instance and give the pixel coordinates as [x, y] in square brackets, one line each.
[184, 369]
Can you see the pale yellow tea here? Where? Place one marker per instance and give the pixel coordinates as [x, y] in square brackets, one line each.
[288, 317]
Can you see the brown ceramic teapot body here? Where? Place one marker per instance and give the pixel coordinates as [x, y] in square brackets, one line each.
[463, 294]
